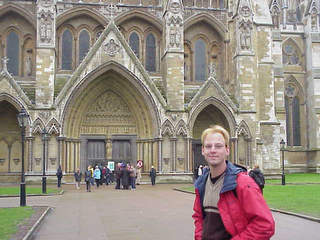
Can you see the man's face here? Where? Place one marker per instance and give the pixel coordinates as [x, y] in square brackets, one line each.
[214, 149]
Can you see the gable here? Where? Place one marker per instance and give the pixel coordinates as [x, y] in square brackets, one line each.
[110, 47]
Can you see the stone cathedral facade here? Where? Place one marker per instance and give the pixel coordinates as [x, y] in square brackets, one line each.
[128, 80]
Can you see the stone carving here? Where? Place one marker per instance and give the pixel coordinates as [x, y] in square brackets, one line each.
[53, 161]
[16, 161]
[245, 10]
[175, 7]
[112, 48]
[314, 17]
[245, 34]
[275, 14]
[38, 160]
[290, 91]
[212, 70]
[5, 61]
[108, 114]
[44, 115]
[45, 26]
[175, 22]
[2, 160]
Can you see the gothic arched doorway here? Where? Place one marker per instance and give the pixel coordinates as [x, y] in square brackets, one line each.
[111, 116]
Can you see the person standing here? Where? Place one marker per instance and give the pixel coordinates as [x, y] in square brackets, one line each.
[153, 175]
[117, 174]
[97, 176]
[77, 178]
[133, 175]
[228, 203]
[87, 178]
[59, 176]
[139, 169]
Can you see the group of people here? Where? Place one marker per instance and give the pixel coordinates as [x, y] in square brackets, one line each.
[126, 176]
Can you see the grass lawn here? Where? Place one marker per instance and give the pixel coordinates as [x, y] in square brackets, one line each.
[4, 190]
[10, 218]
[294, 197]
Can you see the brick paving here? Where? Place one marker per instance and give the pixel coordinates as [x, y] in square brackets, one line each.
[151, 212]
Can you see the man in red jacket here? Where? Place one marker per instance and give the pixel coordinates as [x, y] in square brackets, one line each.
[228, 203]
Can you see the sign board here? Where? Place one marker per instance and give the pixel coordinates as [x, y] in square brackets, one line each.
[111, 165]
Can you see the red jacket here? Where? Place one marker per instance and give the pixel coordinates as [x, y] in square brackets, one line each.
[245, 214]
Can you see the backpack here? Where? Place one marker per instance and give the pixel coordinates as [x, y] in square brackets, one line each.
[258, 178]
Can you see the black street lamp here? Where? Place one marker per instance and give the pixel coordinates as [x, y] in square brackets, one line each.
[23, 123]
[283, 177]
[44, 179]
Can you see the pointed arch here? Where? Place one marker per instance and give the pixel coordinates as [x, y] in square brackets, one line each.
[181, 128]
[291, 52]
[53, 126]
[157, 23]
[167, 128]
[210, 20]
[74, 12]
[226, 111]
[243, 128]
[20, 11]
[38, 126]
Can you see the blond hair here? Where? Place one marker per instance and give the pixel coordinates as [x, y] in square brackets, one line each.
[216, 129]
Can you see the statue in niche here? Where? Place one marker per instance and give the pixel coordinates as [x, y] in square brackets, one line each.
[314, 19]
[275, 13]
[245, 35]
[175, 37]
[29, 65]
[45, 28]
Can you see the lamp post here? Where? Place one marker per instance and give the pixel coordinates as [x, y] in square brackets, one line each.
[44, 179]
[23, 123]
[283, 177]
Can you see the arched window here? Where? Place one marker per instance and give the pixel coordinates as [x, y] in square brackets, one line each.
[66, 50]
[134, 43]
[151, 53]
[200, 61]
[13, 53]
[84, 44]
[292, 106]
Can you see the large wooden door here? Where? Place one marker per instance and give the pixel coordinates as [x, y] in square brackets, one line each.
[96, 152]
[121, 151]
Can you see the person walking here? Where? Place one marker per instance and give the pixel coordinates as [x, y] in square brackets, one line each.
[139, 169]
[77, 178]
[258, 177]
[87, 178]
[97, 176]
[228, 203]
[59, 176]
[153, 175]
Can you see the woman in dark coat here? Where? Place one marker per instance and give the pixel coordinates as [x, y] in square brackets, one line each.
[125, 177]
[153, 175]
[59, 176]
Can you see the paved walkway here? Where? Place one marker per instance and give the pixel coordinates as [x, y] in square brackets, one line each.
[157, 213]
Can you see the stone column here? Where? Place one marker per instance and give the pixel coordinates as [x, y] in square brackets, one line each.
[45, 53]
[173, 58]
[30, 152]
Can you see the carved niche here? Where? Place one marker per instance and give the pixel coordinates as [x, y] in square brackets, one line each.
[109, 114]
[245, 26]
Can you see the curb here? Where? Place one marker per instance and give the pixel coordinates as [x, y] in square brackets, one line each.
[29, 233]
[314, 219]
[34, 195]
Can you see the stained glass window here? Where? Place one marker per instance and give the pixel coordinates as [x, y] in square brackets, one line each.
[84, 44]
[200, 61]
[151, 53]
[66, 50]
[13, 53]
[134, 43]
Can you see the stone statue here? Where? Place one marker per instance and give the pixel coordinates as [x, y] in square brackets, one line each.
[245, 35]
[29, 65]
